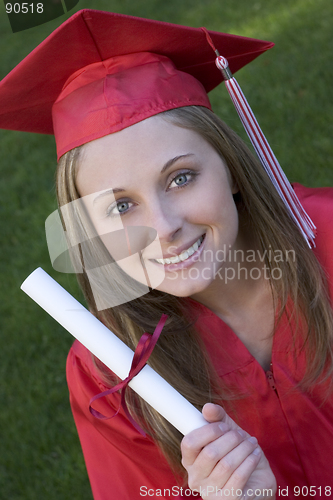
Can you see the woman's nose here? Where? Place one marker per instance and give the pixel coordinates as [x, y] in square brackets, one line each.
[165, 219]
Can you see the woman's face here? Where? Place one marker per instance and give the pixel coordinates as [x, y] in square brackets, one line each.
[157, 175]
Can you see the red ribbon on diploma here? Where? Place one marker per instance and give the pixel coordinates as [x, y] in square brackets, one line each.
[142, 352]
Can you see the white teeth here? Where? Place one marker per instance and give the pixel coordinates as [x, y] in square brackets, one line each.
[195, 246]
[183, 256]
[191, 250]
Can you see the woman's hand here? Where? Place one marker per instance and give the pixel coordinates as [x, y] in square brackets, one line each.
[221, 456]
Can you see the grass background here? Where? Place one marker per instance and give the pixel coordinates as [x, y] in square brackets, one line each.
[290, 90]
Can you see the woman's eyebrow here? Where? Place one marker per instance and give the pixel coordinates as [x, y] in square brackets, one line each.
[167, 165]
[107, 193]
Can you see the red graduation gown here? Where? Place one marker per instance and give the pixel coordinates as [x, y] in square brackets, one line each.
[294, 428]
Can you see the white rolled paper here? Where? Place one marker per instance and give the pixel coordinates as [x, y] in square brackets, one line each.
[96, 337]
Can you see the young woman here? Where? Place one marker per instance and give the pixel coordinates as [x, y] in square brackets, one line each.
[249, 332]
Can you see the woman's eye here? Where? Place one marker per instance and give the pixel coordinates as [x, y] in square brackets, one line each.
[181, 179]
[122, 206]
[118, 208]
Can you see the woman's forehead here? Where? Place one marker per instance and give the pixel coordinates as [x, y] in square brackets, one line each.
[136, 150]
[153, 133]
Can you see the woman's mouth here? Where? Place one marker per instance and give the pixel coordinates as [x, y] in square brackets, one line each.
[186, 257]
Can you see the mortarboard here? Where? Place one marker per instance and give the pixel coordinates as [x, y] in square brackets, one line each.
[113, 66]
[101, 72]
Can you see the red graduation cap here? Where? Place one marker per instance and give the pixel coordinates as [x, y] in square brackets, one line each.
[101, 72]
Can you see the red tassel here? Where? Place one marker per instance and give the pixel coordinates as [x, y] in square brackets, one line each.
[263, 150]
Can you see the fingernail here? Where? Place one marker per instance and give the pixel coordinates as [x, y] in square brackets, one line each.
[253, 440]
[257, 451]
[241, 432]
[224, 427]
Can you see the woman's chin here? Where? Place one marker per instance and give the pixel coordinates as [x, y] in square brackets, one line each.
[183, 287]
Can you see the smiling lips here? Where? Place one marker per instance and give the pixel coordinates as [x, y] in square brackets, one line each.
[184, 255]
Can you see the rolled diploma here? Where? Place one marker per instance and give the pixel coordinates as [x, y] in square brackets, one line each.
[111, 350]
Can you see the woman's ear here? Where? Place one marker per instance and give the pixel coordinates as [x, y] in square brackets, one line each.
[234, 186]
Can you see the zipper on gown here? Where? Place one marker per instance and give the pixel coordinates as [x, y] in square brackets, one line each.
[270, 378]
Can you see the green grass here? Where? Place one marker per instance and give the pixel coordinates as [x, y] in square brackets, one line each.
[290, 90]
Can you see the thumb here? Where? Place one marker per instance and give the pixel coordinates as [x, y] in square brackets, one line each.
[213, 413]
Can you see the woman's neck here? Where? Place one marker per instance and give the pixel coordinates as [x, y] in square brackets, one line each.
[245, 303]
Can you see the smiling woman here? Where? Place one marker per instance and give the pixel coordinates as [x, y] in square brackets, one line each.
[161, 202]
[171, 199]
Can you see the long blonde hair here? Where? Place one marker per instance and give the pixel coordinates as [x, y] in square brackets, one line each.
[180, 356]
